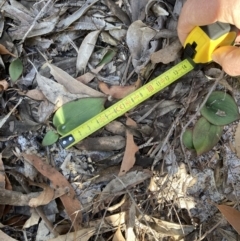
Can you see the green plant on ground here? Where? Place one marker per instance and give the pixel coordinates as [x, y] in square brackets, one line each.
[71, 115]
[219, 110]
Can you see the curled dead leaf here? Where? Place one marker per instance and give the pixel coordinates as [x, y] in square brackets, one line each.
[35, 94]
[3, 85]
[232, 215]
[3, 51]
[130, 151]
[167, 54]
[71, 203]
[71, 84]
[44, 198]
[119, 92]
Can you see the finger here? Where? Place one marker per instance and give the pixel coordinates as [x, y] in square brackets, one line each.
[196, 13]
[204, 12]
[229, 58]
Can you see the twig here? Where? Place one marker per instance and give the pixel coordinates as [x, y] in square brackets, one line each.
[4, 119]
[24, 183]
[102, 220]
[35, 21]
[209, 231]
[124, 78]
[134, 202]
[159, 154]
[150, 111]
[195, 115]
[2, 4]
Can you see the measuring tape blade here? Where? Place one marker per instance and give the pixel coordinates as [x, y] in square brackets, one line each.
[126, 104]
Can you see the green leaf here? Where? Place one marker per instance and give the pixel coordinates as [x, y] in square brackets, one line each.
[50, 138]
[220, 109]
[205, 135]
[74, 113]
[108, 56]
[15, 69]
[188, 138]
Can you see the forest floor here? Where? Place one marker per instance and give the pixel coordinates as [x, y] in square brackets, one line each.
[133, 179]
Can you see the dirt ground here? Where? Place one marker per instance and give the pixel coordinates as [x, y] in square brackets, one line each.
[133, 179]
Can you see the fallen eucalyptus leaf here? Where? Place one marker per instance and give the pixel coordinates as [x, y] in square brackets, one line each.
[15, 69]
[50, 138]
[139, 41]
[232, 215]
[118, 12]
[3, 50]
[220, 109]
[65, 22]
[119, 92]
[188, 138]
[167, 54]
[130, 149]
[104, 143]
[71, 84]
[205, 135]
[75, 113]
[85, 50]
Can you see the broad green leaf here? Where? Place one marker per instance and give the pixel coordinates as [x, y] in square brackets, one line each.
[188, 138]
[74, 113]
[205, 135]
[108, 56]
[220, 109]
[15, 69]
[50, 138]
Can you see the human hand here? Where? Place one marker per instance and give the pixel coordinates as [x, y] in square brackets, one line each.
[204, 12]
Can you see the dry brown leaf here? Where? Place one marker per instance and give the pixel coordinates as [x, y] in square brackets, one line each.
[16, 198]
[118, 12]
[65, 22]
[117, 185]
[167, 54]
[232, 216]
[104, 143]
[33, 220]
[140, 42]
[138, 9]
[71, 203]
[119, 92]
[165, 228]
[44, 198]
[35, 94]
[130, 150]
[71, 84]
[3, 85]
[237, 140]
[3, 51]
[118, 235]
[5, 237]
[85, 50]
[55, 92]
[84, 235]
[87, 77]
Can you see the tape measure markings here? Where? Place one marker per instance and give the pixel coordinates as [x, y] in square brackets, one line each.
[126, 104]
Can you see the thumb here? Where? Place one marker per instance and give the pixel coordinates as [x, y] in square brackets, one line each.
[229, 58]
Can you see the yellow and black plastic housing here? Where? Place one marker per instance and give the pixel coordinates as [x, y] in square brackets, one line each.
[204, 40]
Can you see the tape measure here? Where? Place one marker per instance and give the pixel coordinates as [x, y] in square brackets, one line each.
[199, 46]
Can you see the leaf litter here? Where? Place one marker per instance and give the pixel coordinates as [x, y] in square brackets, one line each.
[98, 49]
